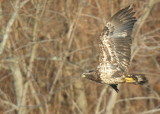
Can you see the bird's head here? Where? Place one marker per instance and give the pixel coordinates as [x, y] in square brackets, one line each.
[91, 75]
[87, 75]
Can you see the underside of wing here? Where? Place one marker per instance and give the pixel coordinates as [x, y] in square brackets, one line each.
[115, 42]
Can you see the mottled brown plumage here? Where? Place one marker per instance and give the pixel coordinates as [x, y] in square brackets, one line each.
[115, 51]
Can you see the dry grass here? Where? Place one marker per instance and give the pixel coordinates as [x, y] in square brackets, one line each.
[46, 44]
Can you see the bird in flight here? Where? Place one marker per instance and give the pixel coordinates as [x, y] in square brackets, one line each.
[115, 52]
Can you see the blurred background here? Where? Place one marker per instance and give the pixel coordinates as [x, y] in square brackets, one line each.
[45, 45]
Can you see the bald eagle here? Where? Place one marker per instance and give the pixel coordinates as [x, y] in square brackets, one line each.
[115, 52]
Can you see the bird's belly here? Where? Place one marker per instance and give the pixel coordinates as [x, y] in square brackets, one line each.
[107, 69]
[107, 75]
[108, 79]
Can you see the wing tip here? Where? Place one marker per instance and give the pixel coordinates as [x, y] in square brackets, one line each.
[124, 12]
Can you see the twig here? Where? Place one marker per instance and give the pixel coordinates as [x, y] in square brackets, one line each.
[150, 111]
[139, 24]
[17, 7]
[39, 14]
[111, 102]
[136, 98]
[100, 100]
[79, 110]
[72, 28]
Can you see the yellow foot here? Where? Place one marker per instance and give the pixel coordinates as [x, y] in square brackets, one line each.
[130, 80]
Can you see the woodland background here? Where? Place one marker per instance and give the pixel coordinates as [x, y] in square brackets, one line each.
[45, 45]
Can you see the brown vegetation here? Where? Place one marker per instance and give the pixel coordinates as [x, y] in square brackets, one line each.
[46, 44]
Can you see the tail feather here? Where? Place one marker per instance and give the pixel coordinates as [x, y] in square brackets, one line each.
[136, 79]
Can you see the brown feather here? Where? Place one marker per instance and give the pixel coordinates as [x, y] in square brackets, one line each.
[115, 44]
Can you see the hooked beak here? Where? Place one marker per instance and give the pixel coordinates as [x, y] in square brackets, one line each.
[83, 75]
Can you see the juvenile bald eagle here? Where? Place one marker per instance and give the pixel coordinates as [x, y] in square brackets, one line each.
[115, 52]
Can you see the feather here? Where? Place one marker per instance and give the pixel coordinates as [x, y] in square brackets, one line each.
[115, 43]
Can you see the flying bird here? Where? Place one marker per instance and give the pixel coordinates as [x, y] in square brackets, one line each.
[115, 52]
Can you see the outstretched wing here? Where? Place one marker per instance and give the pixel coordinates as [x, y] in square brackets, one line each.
[115, 41]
